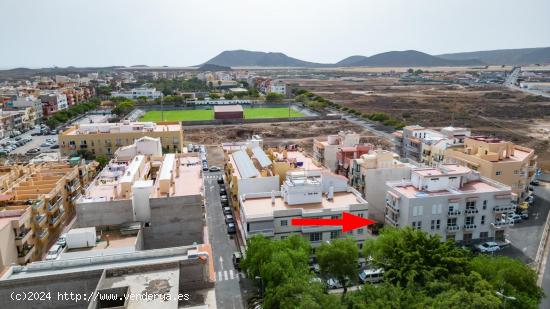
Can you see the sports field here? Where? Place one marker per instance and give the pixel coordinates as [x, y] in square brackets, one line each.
[208, 114]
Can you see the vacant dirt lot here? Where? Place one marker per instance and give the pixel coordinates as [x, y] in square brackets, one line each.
[275, 134]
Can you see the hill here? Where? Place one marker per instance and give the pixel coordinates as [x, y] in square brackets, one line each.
[505, 56]
[407, 58]
[213, 67]
[233, 58]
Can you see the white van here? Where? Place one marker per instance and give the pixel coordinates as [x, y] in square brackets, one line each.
[371, 275]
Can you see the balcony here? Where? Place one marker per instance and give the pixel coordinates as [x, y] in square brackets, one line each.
[25, 254]
[453, 228]
[500, 224]
[43, 235]
[23, 236]
[469, 211]
[265, 233]
[54, 221]
[40, 220]
[453, 213]
[392, 206]
[470, 226]
[392, 221]
[38, 205]
[504, 208]
[73, 186]
[53, 206]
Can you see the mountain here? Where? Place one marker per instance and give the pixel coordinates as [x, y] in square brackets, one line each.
[505, 56]
[213, 67]
[407, 58]
[243, 58]
[349, 61]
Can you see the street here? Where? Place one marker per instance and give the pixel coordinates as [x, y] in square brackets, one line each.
[230, 283]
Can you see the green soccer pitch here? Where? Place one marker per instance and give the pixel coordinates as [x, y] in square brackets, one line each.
[208, 114]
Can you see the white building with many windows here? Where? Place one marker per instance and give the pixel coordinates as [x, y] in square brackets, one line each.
[451, 201]
[303, 194]
[149, 93]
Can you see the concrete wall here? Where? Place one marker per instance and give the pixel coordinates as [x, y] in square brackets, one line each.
[175, 221]
[80, 283]
[8, 251]
[194, 275]
[104, 213]
[376, 188]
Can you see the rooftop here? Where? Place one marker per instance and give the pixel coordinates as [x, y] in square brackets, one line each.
[228, 108]
[477, 186]
[122, 127]
[263, 206]
[442, 170]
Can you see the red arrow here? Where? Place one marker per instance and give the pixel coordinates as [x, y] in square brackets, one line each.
[348, 222]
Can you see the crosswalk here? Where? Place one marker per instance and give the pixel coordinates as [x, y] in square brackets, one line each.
[225, 275]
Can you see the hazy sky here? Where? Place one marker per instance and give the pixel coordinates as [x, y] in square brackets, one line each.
[39, 33]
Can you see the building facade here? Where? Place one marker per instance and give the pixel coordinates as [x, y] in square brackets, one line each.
[451, 201]
[106, 138]
[149, 93]
[500, 160]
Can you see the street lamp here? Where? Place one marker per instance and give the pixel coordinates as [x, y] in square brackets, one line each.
[501, 294]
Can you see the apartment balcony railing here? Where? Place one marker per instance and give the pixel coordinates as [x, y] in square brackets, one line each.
[470, 226]
[43, 234]
[54, 221]
[392, 221]
[40, 219]
[470, 211]
[73, 186]
[391, 206]
[453, 213]
[453, 228]
[38, 205]
[500, 224]
[25, 254]
[504, 208]
[53, 206]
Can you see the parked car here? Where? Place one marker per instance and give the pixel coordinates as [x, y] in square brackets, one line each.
[62, 240]
[54, 252]
[33, 151]
[231, 229]
[315, 268]
[535, 183]
[515, 218]
[227, 211]
[222, 191]
[524, 215]
[489, 246]
[237, 256]
[229, 219]
[371, 275]
[45, 145]
[214, 169]
[333, 283]
[220, 180]
[54, 146]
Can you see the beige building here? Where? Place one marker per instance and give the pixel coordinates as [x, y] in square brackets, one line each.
[106, 138]
[35, 204]
[510, 164]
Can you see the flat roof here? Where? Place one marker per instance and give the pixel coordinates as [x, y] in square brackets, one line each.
[228, 108]
[442, 170]
[262, 207]
[472, 187]
[120, 127]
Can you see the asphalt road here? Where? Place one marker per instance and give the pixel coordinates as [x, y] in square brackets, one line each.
[230, 284]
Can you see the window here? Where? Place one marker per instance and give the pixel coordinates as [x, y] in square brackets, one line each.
[499, 173]
[516, 172]
[436, 209]
[334, 217]
[313, 237]
[482, 219]
[417, 211]
[451, 221]
[335, 234]
[484, 235]
[360, 231]
[360, 214]
[436, 225]
[469, 220]
[284, 222]
[283, 237]
[470, 204]
[417, 225]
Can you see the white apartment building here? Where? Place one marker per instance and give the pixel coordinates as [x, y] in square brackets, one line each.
[149, 93]
[303, 194]
[325, 149]
[277, 86]
[369, 175]
[451, 201]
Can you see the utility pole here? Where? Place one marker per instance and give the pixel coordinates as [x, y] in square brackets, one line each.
[162, 107]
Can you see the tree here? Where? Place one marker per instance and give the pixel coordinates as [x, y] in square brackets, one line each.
[219, 84]
[339, 259]
[229, 96]
[410, 71]
[213, 96]
[300, 293]
[411, 257]
[273, 97]
[102, 160]
[210, 85]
